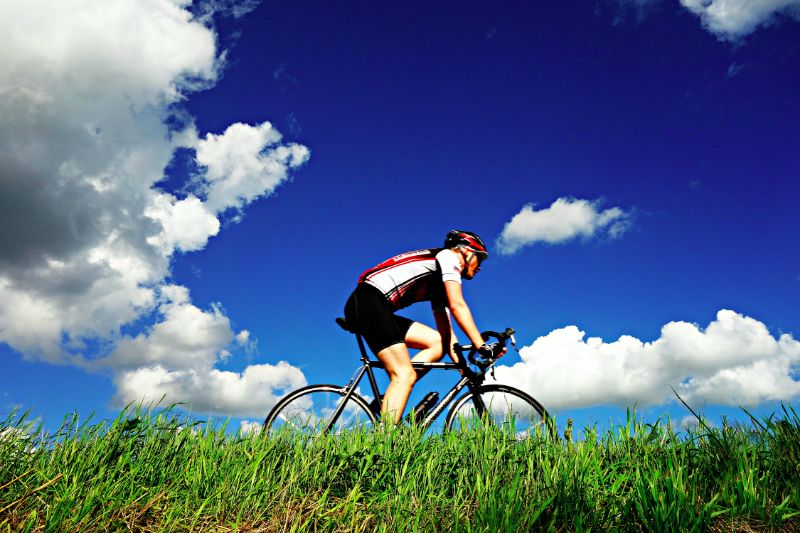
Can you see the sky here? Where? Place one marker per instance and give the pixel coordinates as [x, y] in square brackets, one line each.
[189, 191]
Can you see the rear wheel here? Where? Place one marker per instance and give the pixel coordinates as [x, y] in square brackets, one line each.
[504, 407]
[309, 410]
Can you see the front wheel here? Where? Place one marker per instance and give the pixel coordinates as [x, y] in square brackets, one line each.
[502, 406]
[309, 410]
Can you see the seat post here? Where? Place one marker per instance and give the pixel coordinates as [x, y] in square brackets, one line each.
[350, 329]
[364, 356]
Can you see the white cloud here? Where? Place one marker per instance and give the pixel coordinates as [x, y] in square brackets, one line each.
[565, 219]
[243, 337]
[733, 19]
[249, 427]
[83, 94]
[186, 224]
[187, 337]
[176, 360]
[251, 392]
[240, 169]
[234, 8]
[87, 236]
[690, 422]
[728, 19]
[733, 361]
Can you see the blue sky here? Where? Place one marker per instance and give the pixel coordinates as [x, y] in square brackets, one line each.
[189, 193]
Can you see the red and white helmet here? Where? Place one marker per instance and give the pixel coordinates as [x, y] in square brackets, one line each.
[467, 239]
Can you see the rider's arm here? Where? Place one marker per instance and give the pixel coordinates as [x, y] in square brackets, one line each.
[445, 328]
[461, 312]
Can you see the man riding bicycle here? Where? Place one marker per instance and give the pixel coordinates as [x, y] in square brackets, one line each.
[422, 275]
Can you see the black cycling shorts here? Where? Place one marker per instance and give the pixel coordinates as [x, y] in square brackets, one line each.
[369, 313]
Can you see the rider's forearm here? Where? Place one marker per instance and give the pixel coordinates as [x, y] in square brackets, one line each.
[447, 334]
[465, 321]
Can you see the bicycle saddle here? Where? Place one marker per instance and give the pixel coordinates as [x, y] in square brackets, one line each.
[345, 325]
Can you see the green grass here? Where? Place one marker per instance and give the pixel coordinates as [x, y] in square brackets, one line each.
[154, 470]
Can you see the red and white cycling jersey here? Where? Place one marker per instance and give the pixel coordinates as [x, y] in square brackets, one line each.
[415, 277]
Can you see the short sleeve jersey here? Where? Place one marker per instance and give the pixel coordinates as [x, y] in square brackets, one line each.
[416, 276]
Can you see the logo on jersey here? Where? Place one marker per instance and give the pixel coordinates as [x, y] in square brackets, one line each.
[409, 254]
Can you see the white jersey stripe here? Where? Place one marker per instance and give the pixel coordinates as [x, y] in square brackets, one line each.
[415, 276]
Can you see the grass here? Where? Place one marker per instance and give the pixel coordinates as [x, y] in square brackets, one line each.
[154, 470]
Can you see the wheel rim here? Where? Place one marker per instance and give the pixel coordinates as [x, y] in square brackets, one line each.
[506, 410]
[311, 412]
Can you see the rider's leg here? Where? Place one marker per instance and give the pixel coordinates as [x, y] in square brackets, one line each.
[428, 342]
[398, 365]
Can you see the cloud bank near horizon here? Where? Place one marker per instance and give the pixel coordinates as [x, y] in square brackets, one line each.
[734, 361]
[565, 219]
[88, 236]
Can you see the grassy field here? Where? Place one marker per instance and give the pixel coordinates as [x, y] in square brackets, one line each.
[155, 471]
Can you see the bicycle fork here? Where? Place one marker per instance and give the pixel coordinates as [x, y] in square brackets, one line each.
[442, 405]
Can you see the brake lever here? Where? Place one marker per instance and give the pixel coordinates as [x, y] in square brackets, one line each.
[514, 343]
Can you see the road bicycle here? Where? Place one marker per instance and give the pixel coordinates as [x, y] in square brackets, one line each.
[336, 408]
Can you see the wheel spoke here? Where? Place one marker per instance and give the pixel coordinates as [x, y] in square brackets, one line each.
[309, 410]
[504, 407]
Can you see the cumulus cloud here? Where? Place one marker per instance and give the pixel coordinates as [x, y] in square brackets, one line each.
[86, 239]
[186, 224]
[565, 219]
[176, 360]
[241, 169]
[83, 95]
[249, 393]
[249, 427]
[187, 337]
[733, 19]
[690, 422]
[733, 361]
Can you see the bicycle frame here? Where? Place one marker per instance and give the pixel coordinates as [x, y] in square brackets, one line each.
[470, 380]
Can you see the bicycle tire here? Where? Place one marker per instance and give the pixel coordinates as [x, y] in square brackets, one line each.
[506, 406]
[304, 411]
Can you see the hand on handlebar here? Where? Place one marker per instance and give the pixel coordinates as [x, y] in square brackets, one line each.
[484, 351]
[494, 351]
[485, 355]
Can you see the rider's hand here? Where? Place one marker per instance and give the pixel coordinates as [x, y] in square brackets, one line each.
[485, 352]
[492, 352]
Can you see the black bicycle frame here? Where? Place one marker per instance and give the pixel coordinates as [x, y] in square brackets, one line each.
[471, 380]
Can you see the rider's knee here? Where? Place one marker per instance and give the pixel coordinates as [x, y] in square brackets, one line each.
[434, 348]
[436, 352]
[405, 376]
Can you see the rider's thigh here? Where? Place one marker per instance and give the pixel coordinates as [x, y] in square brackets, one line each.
[397, 361]
[420, 336]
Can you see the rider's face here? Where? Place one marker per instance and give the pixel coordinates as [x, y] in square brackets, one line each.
[471, 267]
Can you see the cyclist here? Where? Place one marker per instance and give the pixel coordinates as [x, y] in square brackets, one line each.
[422, 275]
